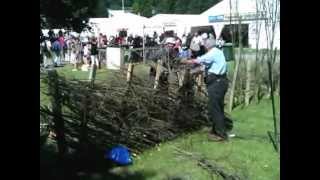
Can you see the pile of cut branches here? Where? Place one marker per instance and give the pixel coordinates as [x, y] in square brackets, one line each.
[133, 115]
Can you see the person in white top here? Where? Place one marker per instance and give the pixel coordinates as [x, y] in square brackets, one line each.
[47, 54]
[86, 56]
[183, 40]
[195, 45]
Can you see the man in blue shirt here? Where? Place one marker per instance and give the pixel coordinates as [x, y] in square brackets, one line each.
[217, 86]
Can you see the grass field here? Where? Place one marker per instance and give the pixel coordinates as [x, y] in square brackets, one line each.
[249, 154]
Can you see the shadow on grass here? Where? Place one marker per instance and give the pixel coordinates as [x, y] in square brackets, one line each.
[93, 167]
[259, 138]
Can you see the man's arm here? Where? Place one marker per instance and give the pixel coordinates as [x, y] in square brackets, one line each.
[202, 59]
[189, 61]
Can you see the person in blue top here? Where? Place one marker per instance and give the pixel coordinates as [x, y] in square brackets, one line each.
[56, 49]
[217, 86]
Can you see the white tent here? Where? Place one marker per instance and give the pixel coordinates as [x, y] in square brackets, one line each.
[120, 20]
[245, 8]
[180, 23]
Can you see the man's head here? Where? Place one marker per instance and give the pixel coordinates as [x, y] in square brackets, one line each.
[204, 35]
[210, 44]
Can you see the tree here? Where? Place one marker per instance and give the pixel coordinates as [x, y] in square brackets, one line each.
[142, 7]
[181, 6]
[271, 9]
[70, 14]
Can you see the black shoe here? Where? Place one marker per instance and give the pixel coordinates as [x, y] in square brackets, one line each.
[215, 137]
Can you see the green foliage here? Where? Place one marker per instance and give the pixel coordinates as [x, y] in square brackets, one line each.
[145, 7]
[74, 14]
[70, 14]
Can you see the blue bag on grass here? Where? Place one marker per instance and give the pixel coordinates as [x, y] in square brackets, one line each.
[120, 155]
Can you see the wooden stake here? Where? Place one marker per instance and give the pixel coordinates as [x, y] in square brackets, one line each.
[129, 72]
[158, 72]
[199, 83]
[92, 74]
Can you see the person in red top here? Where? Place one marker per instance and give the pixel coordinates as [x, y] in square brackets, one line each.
[62, 45]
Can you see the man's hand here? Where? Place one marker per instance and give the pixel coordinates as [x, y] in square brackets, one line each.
[185, 61]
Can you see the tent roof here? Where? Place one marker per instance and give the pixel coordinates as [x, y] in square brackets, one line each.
[223, 7]
[163, 19]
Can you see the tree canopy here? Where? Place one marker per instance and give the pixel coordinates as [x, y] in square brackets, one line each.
[70, 14]
[74, 14]
[146, 7]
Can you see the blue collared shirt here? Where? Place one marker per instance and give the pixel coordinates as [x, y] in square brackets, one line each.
[215, 57]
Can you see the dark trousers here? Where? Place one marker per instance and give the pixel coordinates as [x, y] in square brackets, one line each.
[217, 88]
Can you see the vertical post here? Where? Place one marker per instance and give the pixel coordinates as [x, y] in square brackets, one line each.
[180, 78]
[106, 57]
[92, 74]
[235, 74]
[58, 122]
[129, 72]
[143, 47]
[248, 80]
[199, 82]
[273, 104]
[158, 72]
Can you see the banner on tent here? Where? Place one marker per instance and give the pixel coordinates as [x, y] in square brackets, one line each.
[169, 24]
[213, 19]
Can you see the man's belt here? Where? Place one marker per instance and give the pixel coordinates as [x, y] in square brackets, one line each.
[217, 76]
[210, 78]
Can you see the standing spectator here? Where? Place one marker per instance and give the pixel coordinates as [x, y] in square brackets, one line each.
[155, 36]
[62, 45]
[204, 38]
[47, 55]
[105, 41]
[184, 40]
[78, 48]
[94, 52]
[220, 42]
[100, 46]
[130, 39]
[177, 45]
[185, 53]
[100, 42]
[73, 53]
[161, 38]
[56, 49]
[86, 57]
[51, 36]
[86, 53]
[195, 45]
[137, 43]
[188, 42]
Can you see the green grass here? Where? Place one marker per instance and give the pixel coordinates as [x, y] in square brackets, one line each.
[250, 154]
